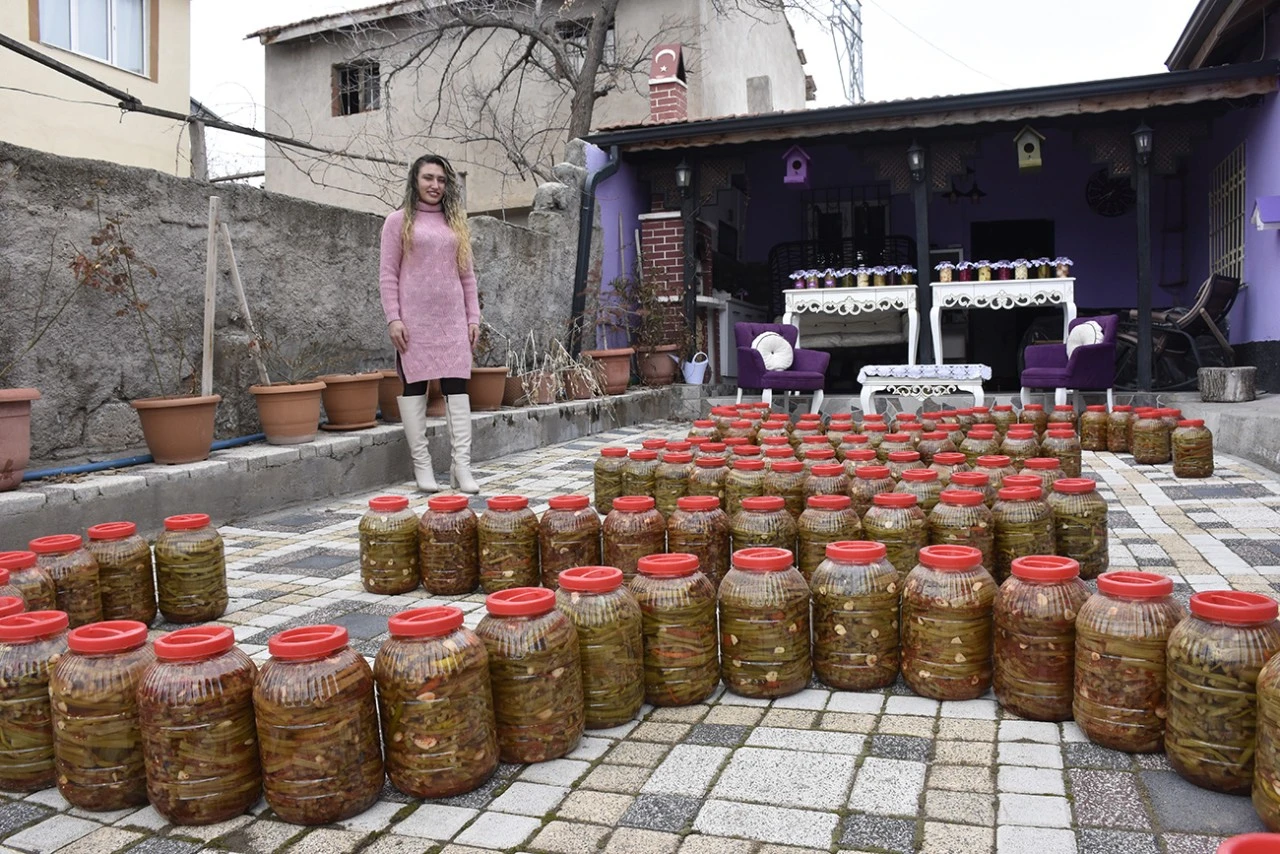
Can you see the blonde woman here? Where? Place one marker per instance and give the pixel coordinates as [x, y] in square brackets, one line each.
[428, 290]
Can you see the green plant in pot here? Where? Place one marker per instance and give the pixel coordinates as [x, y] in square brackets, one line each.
[659, 348]
[612, 365]
[289, 406]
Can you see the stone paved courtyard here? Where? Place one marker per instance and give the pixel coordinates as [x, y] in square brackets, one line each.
[818, 771]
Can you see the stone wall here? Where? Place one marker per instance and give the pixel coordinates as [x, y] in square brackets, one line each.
[309, 270]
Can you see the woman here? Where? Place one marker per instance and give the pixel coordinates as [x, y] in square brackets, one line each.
[433, 315]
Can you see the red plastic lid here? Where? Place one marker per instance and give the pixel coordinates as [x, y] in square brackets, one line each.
[28, 626]
[994, 461]
[1064, 432]
[810, 416]
[984, 431]
[681, 446]
[782, 453]
[1064, 407]
[875, 427]
[1003, 407]
[17, 560]
[763, 559]
[709, 462]
[1234, 607]
[814, 440]
[873, 472]
[4, 576]
[873, 416]
[894, 499]
[569, 502]
[634, 503]
[1074, 485]
[507, 502]
[950, 558]
[747, 450]
[775, 422]
[775, 441]
[671, 565]
[829, 502]
[1125, 408]
[698, 503]
[1019, 493]
[1022, 428]
[187, 522]
[842, 418]
[11, 605]
[447, 503]
[1024, 481]
[961, 497]
[1191, 422]
[56, 544]
[828, 470]
[790, 466]
[425, 622]
[968, 411]
[764, 503]
[1095, 408]
[1041, 463]
[677, 458]
[904, 456]
[520, 602]
[107, 637]
[704, 423]
[112, 531]
[923, 475]
[619, 452]
[983, 410]
[696, 441]
[748, 465]
[934, 436]
[388, 503]
[742, 424]
[194, 643]
[820, 454]
[1132, 584]
[644, 455]
[905, 416]
[897, 437]
[1045, 568]
[949, 458]
[971, 478]
[591, 579]
[659, 444]
[1174, 413]
[910, 427]
[860, 455]
[1251, 843]
[724, 410]
[856, 551]
[307, 642]
[1034, 407]
[735, 441]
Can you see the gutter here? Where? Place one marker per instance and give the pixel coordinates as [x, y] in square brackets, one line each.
[1199, 27]
[586, 217]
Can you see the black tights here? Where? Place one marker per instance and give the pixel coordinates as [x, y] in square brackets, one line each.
[448, 386]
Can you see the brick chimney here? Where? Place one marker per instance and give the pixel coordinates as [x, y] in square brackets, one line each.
[668, 91]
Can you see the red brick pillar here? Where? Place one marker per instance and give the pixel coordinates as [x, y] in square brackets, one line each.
[662, 247]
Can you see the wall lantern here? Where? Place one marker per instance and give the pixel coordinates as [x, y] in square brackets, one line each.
[1028, 145]
[915, 161]
[684, 176]
[1142, 141]
[796, 172]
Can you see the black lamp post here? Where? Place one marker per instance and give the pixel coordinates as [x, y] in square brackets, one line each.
[915, 161]
[1143, 139]
[920, 201]
[684, 177]
[688, 209]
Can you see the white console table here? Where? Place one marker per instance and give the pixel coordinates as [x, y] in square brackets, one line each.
[999, 294]
[851, 301]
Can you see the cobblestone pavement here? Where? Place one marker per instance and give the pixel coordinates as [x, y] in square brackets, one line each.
[818, 771]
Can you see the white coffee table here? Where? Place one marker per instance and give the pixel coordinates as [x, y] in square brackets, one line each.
[922, 381]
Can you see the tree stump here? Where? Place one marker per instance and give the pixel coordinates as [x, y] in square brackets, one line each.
[1227, 385]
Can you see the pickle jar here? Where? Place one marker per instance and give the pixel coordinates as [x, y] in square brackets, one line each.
[1214, 657]
[535, 672]
[1034, 414]
[870, 482]
[962, 518]
[1080, 524]
[947, 463]
[1121, 636]
[1048, 470]
[778, 454]
[97, 743]
[1093, 428]
[982, 415]
[1171, 417]
[924, 485]
[933, 443]
[1024, 526]
[763, 522]
[1065, 446]
[723, 417]
[191, 570]
[786, 480]
[1063, 415]
[765, 647]
[1138, 413]
[708, 477]
[568, 536]
[743, 428]
[772, 429]
[1003, 416]
[633, 529]
[671, 481]
[1118, 423]
[819, 457]
[914, 431]
[389, 557]
[745, 480]
[1020, 444]
[816, 442]
[34, 583]
[806, 426]
[953, 431]
[875, 433]
[855, 593]
[976, 481]
[195, 704]
[947, 605]
[893, 443]
[705, 428]
[895, 519]
[435, 704]
[1192, 446]
[696, 445]
[678, 617]
[317, 727]
[840, 422]
[654, 444]
[507, 533]
[449, 546]
[30, 646]
[902, 419]
[126, 575]
[997, 467]
[902, 461]
[1035, 637]
[699, 527]
[607, 478]
[75, 576]
[1149, 441]
[607, 619]
[1266, 769]
[826, 479]
[856, 459]
[752, 452]
[826, 519]
[871, 418]
[964, 417]
[11, 601]
[639, 477]
[979, 442]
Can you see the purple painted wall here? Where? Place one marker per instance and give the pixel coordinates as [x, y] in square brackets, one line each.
[620, 195]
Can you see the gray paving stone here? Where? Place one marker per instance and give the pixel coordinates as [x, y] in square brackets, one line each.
[435, 821]
[1116, 842]
[688, 770]
[766, 824]
[794, 779]
[1092, 756]
[845, 744]
[1181, 806]
[723, 735]
[163, 845]
[51, 834]
[498, 830]
[1030, 781]
[534, 799]
[1178, 843]
[1011, 839]
[16, 814]
[1034, 810]
[661, 812]
[1107, 799]
[888, 786]
[878, 833]
[902, 747]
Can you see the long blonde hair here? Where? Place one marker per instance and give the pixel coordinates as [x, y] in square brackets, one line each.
[455, 215]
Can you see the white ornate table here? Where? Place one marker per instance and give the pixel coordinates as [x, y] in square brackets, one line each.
[1000, 294]
[921, 381]
[851, 301]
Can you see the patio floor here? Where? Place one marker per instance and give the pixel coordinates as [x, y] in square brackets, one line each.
[821, 770]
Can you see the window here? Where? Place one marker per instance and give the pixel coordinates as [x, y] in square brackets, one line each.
[114, 31]
[574, 34]
[357, 88]
[1227, 217]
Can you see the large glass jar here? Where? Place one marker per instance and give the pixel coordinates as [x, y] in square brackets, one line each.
[947, 604]
[671, 480]
[1150, 440]
[699, 527]
[435, 704]
[976, 481]
[317, 727]
[870, 482]
[773, 428]
[1214, 657]
[1138, 413]
[894, 442]
[568, 536]
[708, 477]
[902, 419]
[763, 521]
[826, 519]
[1048, 470]
[786, 479]
[507, 533]
[779, 454]
[8, 591]
[1065, 446]
[875, 433]
[870, 419]
[933, 443]
[913, 431]
[962, 518]
[807, 427]
[1020, 444]
[1034, 414]
[723, 417]
[743, 428]
[696, 444]
[1118, 429]
[856, 459]
[389, 546]
[947, 463]
[633, 530]
[37, 587]
[678, 617]
[896, 520]
[819, 457]
[191, 570]
[840, 422]
[1192, 446]
[75, 576]
[764, 625]
[745, 480]
[1063, 414]
[702, 428]
[536, 674]
[924, 485]
[654, 444]
[1035, 637]
[126, 575]
[751, 452]
[1024, 526]
[997, 467]
[816, 442]
[1080, 524]
[1171, 417]
[607, 618]
[608, 470]
[1121, 635]
[639, 477]
[1003, 416]
[826, 479]
[1093, 428]
[982, 415]
[97, 744]
[1266, 769]
[713, 449]
[979, 442]
[964, 417]
[901, 461]
[855, 593]
[30, 646]
[195, 703]
[953, 431]
[449, 546]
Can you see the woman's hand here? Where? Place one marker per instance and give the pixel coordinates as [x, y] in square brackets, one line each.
[399, 335]
[473, 333]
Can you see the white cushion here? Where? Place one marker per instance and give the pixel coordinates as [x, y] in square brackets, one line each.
[1089, 332]
[774, 349]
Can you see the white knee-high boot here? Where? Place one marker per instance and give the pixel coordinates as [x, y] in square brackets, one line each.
[457, 408]
[413, 416]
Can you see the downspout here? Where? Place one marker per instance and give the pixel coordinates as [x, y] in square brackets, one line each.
[586, 218]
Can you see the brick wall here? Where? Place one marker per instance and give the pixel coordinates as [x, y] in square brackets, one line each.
[668, 101]
[662, 244]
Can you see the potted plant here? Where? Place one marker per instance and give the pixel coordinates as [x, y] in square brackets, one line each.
[535, 371]
[657, 357]
[613, 317]
[350, 400]
[488, 373]
[288, 408]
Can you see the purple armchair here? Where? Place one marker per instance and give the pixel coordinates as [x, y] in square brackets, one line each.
[1091, 367]
[807, 374]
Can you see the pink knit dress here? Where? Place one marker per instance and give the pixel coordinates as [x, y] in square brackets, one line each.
[424, 291]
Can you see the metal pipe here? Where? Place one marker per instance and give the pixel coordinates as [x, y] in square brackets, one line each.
[125, 462]
[586, 218]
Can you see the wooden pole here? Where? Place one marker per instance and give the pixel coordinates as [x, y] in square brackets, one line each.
[255, 340]
[210, 294]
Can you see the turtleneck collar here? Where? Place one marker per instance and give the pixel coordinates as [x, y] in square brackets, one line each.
[423, 206]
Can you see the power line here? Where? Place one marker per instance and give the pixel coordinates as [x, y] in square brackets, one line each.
[936, 47]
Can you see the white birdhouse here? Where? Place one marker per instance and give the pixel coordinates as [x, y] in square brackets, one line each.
[797, 168]
[1027, 144]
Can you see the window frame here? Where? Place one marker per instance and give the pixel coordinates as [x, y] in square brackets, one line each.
[147, 48]
[1228, 215]
[369, 69]
[574, 31]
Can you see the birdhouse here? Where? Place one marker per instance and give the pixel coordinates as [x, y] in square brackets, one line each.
[797, 168]
[1027, 144]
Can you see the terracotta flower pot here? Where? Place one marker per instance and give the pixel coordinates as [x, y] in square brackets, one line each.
[658, 365]
[178, 429]
[435, 400]
[616, 366]
[289, 412]
[486, 387]
[577, 386]
[15, 434]
[543, 385]
[350, 400]
[389, 389]
[513, 392]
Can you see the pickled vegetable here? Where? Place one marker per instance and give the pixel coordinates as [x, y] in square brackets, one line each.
[875, 434]
[974, 481]
[763, 521]
[745, 480]
[827, 519]
[947, 604]
[962, 518]
[191, 570]
[1046, 469]
[568, 536]
[507, 533]
[678, 611]
[633, 530]
[903, 461]
[639, 477]
[1093, 428]
[30, 646]
[786, 480]
[1003, 416]
[449, 546]
[1024, 526]
[826, 479]
[855, 593]
[1063, 414]
[75, 576]
[934, 443]
[947, 463]
[35, 584]
[1065, 446]
[699, 527]
[126, 575]
[1266, 770]
[1192, 447]
[896, 520]
[924, 485]
[870, 482]
[1019, 445]
[1034, 414]
[671, 481]
[389, 546]
[764, 625]
[980, 442]
[1150, 440]
[610, 637]
[1080, 524]
[708, 477]
[997, 467]
[1118, 423]
[607, 477]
